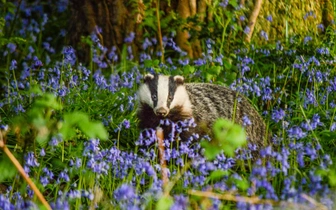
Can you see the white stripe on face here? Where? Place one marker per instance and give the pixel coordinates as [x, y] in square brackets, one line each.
[144, 95]
[163, 91]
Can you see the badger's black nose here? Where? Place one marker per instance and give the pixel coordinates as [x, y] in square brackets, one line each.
[162, 112]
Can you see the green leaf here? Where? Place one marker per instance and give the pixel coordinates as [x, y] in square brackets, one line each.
[332, 178]
[242, 184]
[228, 136]
[164, 203]
[215, 70]
[188, 70]
[7, 168]
[48, 100]
[82, 121]
[217, 175]
[96, 130]
[210, 150]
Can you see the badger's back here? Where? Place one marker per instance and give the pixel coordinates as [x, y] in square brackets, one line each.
[211, 102]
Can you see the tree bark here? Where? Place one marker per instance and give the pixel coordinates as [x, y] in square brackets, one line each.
[253, 19]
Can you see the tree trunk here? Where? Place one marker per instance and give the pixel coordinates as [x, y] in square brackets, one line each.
[191, 20]
[111, 20]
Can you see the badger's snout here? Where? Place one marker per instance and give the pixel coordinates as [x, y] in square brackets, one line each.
[161, 112]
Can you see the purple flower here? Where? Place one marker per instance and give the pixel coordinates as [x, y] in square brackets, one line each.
[124, 193]
[264, 35]
[307, 39]
[278, 114]
[310, 98]
[333, 126]
[62, 91]
[69, 56]
[323, 51]
[19, 108]
[246, 121]
[42, 152]
[321, 27]
[130, 38]
[5, 203]
[13, 65]
[63, 176]
[37, 63]
[269, 18]
[242, 18]
[11, 47]
[180, 202]
[60, 204]
[296, 132]
[224, 3]
[247, 30]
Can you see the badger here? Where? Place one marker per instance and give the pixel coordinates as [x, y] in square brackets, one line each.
[168, 97]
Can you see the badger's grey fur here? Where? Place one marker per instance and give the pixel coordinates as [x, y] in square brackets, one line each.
[163, 97]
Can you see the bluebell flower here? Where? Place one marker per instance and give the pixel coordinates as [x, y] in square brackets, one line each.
[269, 18]
[200, 62]
[130, 38]
[19, 109]
[278, 114]
[147, 43]
[246, 121]
[242, 18]
[267, 94]
[60, 204]
[309, 14]
[124, 192]
[264, 35]
[247, 30]
[62, 91]
[13, 65]
[37, 63]
[310, 151]
[11, 47]
[323, 51]
[42, 152]
[86, 72]
[310, 98]
[296, 132]
[69, 56]
[113, 54]
[224, 3]
[129, 53]
[55, 140]
[180, 202]
[5, 203]
[333, 126]
[184, 62]
[321, 27]
[100, 80]
[63, 177]
[62, 32]
[307, 39]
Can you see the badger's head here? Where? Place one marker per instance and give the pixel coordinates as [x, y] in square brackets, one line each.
[164, 94]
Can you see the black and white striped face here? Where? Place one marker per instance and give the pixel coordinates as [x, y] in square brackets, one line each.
[163, 93]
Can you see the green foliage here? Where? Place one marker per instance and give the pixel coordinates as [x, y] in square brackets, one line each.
[227, 137]
[164, 203]
[82, 121]
[8, 171]
[41, 121]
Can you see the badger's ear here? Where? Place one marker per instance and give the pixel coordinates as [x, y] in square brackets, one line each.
[179, 79]
[148, 77]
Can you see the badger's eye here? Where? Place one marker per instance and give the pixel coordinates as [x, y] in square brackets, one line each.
[170, 98]
[154, 97]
